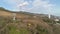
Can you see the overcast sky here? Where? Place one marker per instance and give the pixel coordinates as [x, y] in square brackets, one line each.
[34, 6]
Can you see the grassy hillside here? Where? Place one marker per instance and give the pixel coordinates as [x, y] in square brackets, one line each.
[26, 23]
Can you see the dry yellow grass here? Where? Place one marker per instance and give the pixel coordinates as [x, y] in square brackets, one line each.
[5, 14]
[34, 21]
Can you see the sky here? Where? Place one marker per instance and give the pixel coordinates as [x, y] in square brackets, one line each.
[33, 6]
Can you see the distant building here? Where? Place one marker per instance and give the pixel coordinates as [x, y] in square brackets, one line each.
[34, 16]
[56, 19]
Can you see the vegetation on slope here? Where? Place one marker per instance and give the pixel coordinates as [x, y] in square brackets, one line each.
[26, 23]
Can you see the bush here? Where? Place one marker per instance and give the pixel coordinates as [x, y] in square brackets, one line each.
[41, 30]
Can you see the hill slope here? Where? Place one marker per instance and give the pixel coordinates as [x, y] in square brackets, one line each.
[25, 24]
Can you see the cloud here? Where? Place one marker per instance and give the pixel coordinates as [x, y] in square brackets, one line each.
[23, 4]
[45, 4]
[42, 4]
[36, 5]
[13, 3]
